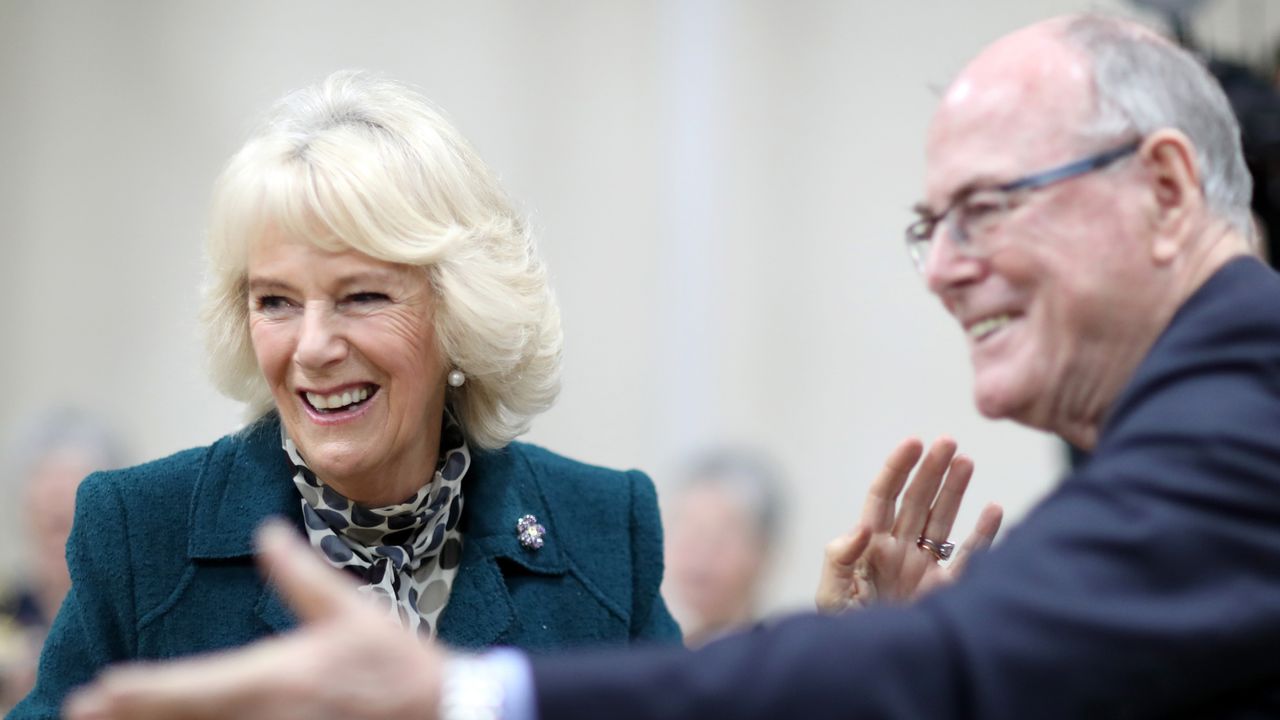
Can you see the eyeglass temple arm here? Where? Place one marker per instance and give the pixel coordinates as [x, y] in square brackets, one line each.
[1070, 170]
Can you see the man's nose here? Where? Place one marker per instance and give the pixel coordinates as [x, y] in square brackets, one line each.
[945, 266]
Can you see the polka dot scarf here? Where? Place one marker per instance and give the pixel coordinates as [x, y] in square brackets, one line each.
[407, 554]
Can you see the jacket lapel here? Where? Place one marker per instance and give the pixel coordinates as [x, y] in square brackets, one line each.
[500, 488]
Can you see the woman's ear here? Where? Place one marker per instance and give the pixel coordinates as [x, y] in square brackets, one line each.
[1173, 174]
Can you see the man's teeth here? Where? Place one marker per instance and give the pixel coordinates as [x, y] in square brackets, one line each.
[988, 326]
[337, 400]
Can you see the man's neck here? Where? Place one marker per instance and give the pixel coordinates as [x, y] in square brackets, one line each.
[1217, 246]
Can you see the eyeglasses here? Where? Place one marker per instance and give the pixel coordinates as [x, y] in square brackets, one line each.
[972, 216]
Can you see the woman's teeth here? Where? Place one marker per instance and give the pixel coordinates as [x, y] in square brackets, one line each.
[338, 401]
[983, 328]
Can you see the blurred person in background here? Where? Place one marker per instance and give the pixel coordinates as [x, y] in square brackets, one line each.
[52, 456]
[376, 301]
[724, 519]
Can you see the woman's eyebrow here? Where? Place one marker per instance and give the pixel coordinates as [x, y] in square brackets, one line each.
[378, 277]
[368, 276]
[258, 284]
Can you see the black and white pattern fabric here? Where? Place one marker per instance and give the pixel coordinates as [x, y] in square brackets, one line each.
[407, 554]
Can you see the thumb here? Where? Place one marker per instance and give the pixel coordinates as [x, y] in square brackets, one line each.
[312, 588]
[836, 582]
[850, 547]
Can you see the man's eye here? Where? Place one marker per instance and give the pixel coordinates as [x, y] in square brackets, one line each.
[979, 208]
[923, 227]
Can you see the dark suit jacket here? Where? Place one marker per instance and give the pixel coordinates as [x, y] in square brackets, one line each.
[161, 559]
[1146, 585]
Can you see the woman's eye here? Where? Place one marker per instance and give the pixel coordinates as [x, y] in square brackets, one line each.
[272, 302]
[367, 298]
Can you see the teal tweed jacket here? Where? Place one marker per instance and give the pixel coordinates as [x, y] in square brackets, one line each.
[161, 559]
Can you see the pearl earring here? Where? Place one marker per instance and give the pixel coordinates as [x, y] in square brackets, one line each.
[456, 378]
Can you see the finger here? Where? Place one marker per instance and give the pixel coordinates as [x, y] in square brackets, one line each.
[95, 703]
[850, 547]
[882, 496]
[314, 590]
[838, 588]
[947, 505]
[918, 497]
[838, 565]
[984, 532]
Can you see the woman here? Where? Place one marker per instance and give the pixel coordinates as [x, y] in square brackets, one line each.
[376, 302]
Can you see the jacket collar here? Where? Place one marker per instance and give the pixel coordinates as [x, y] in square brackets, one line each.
[1226, 304]
[246, 479]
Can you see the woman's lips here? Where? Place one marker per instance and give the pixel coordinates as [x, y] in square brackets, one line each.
[339, 405]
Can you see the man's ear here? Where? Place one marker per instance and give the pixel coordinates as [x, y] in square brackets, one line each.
[1173, 174]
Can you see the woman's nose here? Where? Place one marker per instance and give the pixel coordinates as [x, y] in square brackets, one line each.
[320, 341]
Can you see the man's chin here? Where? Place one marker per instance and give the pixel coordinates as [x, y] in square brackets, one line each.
[994, 402]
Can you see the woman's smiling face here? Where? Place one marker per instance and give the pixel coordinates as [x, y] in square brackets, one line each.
[347, 344]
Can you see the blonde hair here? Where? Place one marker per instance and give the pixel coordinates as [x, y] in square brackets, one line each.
[362, 162]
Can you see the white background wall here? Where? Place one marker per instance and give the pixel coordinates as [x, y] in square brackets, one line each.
[720, 189]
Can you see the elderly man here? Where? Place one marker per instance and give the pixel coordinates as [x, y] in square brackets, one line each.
[1086, 222]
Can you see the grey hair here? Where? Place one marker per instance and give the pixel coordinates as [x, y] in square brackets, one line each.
[1143, 83]
[749, 476]
[362, 162]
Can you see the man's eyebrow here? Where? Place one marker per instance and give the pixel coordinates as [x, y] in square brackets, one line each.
[977, 184]
[922, 209]
[985, 181]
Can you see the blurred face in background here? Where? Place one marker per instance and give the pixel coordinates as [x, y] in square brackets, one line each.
[51, 505]
[715, 561]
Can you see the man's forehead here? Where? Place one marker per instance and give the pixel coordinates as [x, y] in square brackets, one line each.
[1013, 108]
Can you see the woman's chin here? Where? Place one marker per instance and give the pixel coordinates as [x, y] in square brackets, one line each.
[333, 461]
